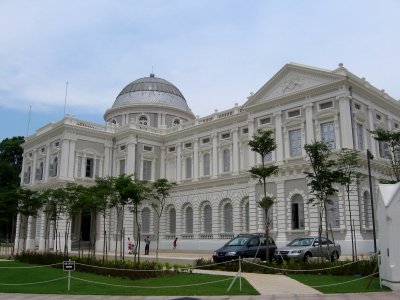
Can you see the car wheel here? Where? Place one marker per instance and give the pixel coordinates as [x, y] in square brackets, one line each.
[334, 256]
[307, 257]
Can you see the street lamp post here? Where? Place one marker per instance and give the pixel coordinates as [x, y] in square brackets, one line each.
[369, 157]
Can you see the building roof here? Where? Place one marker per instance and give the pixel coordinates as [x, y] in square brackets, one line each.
[151, 90]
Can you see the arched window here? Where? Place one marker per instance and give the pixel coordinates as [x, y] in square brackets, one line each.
[146, 220]
[226, 159]
[172, 220]
[297, 205]
[188, 168]
[53, 168]
[367, 209]
[206, 164]
[332, 212]
[207, 218]
[228, 218]
[189, 220]
[143, 120]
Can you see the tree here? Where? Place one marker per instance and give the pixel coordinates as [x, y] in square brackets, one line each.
[392, 139]
[321, 180]
[122, 188]
[105, 193]
[10, 169]
[29, 204]
[160, 191]
[263, 143]
[348, 163]
[70, 205]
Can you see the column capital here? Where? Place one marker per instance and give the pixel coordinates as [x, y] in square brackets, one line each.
[277, 114]
[342, 98]
[308, 105]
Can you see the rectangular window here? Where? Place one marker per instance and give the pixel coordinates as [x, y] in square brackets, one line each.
[245, 131]
[147, 148]
[378, 117]
[205, 140]
[122, 166]
[122, 147]
[384, 149]
[171, 149]
[206, 164]
[89, 167]
[357, 106]
[226, 160]
[225, 135]
[326, 105]
[188, 168]
[333, 215]
[263, 121]
[295, 142]
[360, 136]
[147, 170]
[188, 145]
[328, 134]
[294, 113]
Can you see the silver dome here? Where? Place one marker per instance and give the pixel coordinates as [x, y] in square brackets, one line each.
[151, 90]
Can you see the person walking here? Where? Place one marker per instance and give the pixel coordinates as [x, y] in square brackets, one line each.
[174, 243]
[147, 247]
[129, 246]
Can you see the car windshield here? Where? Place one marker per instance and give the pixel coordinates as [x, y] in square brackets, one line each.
[238, 241]
[301, 242]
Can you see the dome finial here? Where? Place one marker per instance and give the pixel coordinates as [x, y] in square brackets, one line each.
[152, 72]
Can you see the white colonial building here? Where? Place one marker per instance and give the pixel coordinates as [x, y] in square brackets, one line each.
[151, 132]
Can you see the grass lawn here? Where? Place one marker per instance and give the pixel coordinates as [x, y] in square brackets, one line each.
[359, 286]
[163, 286]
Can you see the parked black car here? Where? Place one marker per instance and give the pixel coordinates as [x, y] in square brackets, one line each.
[245, 245]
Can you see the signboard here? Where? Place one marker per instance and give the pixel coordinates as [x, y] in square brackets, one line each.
[69, 265]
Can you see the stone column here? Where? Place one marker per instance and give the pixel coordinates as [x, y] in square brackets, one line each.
[178, 163]
[63, 169]
[309, 123]
[18, 241]
[34, 167]
[278, 137]
[281, 210]
[250, 135]
[159, 121]
[131, 155]
[196, 159]
[253, 221]
[235, 151]
[372, 141]
[47, 163]
[42, 231]
[29, 234]
[355, 215]
[214, 156]
[70, 173]
[162, 162]
[346, 130]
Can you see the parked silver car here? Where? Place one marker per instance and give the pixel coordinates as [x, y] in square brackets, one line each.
[301, 249]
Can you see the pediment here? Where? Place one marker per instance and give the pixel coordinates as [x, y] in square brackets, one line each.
[292, 79]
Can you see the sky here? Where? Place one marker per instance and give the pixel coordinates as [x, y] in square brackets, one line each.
[216, 52]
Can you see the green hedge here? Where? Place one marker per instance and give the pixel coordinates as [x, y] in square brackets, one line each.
[361, 267]
[122, 269]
